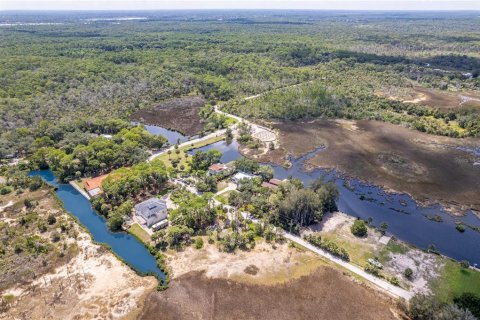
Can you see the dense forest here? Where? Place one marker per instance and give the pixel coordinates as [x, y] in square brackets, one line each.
[90, 66]
[351, 91]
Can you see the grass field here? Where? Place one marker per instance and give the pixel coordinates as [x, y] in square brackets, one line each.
[359, 252]
[392, 247]
[141, 234]
[181, 156]
[455, 280]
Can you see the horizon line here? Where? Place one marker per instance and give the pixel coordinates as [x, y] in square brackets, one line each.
[240, 9]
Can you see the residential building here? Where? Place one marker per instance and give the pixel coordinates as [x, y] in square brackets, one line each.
[269, 185]
[152, 211]
[276, 182]
[94, 186]
[237, 177]
[217, 168]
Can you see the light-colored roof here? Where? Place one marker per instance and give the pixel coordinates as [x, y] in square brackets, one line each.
[243, 175]
[94, 192]
[94, 183]
[152, 210]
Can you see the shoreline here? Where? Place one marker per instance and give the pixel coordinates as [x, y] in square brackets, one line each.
[80, 190]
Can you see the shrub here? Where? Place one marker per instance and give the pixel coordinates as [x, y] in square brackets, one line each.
[408, 273]
[56, 237]
[394, 281]
[359, 228]
[199, 243]
[28, 203]
[115, 222]
[460, 227]
[370, 268]
[469, 301]
[5, 190]
[51, 219]
[42, 227]
[465, 264]
[328, 245]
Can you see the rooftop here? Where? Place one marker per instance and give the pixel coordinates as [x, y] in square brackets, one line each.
[152, 210]
[269, 185]
[276, 182]
[94, 183]
[217, 167]
[243, 175]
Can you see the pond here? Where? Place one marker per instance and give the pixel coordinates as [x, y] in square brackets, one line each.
[406, 220]
[172, 136]
[126, 246]
[229, 151]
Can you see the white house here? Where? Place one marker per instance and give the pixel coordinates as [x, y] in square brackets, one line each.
[239, 176]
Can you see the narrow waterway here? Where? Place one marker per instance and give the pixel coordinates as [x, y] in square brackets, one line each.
[172, 136]
[229, 151]
[406, 220]
[126, 246]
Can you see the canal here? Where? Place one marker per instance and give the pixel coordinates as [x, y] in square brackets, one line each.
[124, 245]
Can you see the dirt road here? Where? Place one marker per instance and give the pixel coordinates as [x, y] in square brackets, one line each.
[391, 289]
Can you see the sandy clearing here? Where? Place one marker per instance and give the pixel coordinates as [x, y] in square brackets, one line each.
[94, 284]
[424, 266]
[9, 204]
[275, 263]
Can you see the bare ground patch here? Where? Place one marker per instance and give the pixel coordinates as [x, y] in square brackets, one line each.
[425, 267]
[179, 114]
[434, 97]
[324, 294]
[94, 284]
[396, 256]
[273, 263]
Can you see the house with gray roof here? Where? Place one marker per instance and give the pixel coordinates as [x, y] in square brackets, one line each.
[152, 211]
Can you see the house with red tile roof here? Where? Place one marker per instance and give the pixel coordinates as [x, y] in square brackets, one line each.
[94, 186]
[217, 168]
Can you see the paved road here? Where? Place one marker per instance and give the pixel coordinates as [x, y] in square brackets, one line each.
[390, 288]
[188, 143]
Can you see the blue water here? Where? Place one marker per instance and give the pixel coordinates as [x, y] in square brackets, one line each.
[229, 151]
[129, 248]
[172, 136]
[406, 220]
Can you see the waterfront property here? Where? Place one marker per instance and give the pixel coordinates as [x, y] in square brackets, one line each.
[272, 183]
[94, 186]
[269, 185]
[239, 176]
[126, 246]
[217, 168]
[151, 211]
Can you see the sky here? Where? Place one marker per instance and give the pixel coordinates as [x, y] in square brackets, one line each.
[240, 4]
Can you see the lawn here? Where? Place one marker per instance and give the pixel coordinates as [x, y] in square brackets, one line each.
[223, 198]
[455, 280]
[183, 160]
[393, 246]
[203, 143]
[358, 251]
[141, 234]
